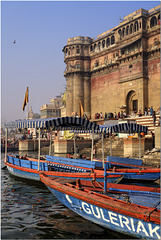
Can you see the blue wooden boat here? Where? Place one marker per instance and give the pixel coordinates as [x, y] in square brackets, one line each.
[31, 168]
[140, 173]
[28, 168]
[136, 212]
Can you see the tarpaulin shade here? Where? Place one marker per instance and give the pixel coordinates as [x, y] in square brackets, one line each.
[64, 123]
[118, 128]
[78, 124]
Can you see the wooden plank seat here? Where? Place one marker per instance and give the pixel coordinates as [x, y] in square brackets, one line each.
[123, 162]
[82, 163]
[65, 168]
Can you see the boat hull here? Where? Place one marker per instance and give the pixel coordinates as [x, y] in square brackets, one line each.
[109, 219]
[27, 168]
[33, 174]
[26, 174]
[144, 176]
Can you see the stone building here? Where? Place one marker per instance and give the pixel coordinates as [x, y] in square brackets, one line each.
[53, 109]
[120, 68]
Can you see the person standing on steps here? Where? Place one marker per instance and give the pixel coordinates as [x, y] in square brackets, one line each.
[154, 118]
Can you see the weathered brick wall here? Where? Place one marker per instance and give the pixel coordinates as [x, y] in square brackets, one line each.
[154, 81]
[120, 67]
[104, 92]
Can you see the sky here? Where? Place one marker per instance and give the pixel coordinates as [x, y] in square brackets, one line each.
[41, 30]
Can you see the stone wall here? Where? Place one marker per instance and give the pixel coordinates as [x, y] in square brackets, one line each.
[157, 137]
[119, 67]
[66, 146]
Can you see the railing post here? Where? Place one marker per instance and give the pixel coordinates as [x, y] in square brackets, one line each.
[105, 178]
[111, 144]
[139, 146]
[103, 150]
[39, 151]
[50, 147]
[92, 145]
[74, 146]
[6, 145]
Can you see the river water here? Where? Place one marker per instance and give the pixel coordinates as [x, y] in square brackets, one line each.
[30, 211]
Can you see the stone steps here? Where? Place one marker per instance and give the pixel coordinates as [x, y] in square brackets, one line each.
[117, 148]
[148, 121]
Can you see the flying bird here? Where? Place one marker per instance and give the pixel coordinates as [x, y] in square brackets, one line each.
[14, 42]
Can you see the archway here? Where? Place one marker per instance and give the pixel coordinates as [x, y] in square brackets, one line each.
[132, 102]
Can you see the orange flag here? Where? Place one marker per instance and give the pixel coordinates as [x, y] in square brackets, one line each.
[81, 110]
[26, 99]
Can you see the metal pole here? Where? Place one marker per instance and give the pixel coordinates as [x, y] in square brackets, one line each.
[111, 145]
[105, 178]
[139, 146]
[103, 150]
[39, 151]
[50, 143]
[6, 145]
[74, 146]
[92, 145]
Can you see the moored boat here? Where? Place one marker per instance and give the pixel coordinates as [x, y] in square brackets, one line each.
[63, 167]
[127, 214]
[28, 168]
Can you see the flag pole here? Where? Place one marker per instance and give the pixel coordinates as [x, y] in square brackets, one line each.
[28, 110]
[28, 106]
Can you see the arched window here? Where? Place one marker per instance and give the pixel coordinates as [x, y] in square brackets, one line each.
[131, 28]
[72, 51]
[136, 26]
[107, 42]
[153, 22]
[119, 32]
[103, 43]
[123, 32]
[127, 30]
[159, 19]
[112, 39]
[95, 47]
[91, 48]
[77, 65]
[77, 49]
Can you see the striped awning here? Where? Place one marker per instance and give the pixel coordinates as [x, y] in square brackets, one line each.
[77, 124]
[123, 128]
[59, 124]
[118, 128]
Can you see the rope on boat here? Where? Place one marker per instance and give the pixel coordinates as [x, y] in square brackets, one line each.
[97, 183]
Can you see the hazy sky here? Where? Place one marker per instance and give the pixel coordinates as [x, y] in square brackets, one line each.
[41, 30]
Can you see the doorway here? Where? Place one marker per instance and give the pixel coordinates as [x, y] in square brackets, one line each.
[132, 102]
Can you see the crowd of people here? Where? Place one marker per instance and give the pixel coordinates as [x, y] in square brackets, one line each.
[122, 114]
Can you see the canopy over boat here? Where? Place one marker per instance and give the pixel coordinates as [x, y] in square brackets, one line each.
[118, 128]
[77, 124]
[60, 124]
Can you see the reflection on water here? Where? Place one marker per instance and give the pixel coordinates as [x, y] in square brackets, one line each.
[30, 211]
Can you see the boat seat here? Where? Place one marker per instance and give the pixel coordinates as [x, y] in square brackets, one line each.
[74, 162]
[65, 168]
[124, 162]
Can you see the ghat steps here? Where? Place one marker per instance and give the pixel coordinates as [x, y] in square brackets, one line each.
[117, 148]
[148, 121]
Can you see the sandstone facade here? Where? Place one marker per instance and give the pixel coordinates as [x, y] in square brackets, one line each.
[119, 69]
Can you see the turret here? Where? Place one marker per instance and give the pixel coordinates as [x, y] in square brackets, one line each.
[77, 74]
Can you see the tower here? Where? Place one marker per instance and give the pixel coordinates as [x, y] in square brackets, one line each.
[77, 74]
